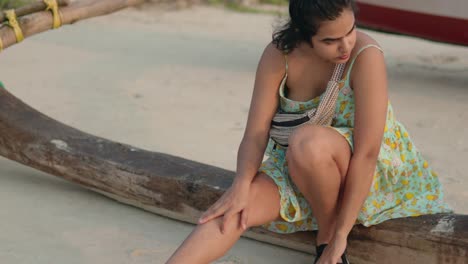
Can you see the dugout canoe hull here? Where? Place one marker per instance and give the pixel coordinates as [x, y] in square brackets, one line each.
[439, 20]
[182, 189]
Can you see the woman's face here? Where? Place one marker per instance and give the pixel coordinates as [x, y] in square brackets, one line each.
[335, 39]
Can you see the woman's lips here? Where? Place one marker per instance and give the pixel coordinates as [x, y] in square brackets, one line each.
[344, 57]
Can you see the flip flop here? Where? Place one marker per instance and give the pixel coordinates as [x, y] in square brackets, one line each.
[319, 250]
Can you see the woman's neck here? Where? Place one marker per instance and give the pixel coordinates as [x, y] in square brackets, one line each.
[308, 52]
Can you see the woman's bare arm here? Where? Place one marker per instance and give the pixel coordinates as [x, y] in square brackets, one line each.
[263, 105]
[369, 81]
[262, 108]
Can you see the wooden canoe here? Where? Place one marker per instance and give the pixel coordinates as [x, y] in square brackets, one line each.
[182, 189]
[439, 20]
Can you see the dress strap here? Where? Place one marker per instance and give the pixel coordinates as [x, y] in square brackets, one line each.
[286, 62]
[357, 54]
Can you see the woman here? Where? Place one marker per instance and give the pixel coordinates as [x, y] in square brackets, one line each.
[362, 168]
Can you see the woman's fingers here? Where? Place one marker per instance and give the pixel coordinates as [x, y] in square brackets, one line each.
[227, 215]
[211, 215]
[244, 218]
[213, 212]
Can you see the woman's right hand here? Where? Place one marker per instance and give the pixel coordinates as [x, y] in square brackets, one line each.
[233, 201]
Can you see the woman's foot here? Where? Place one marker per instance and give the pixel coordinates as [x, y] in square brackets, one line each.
[319, 250]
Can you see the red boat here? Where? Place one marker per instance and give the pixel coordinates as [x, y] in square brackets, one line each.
[438, 20]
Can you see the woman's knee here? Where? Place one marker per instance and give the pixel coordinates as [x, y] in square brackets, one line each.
[308, 146]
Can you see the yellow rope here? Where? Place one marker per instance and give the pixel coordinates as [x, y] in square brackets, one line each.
[12, 22]
[1, 44]
[53, 6]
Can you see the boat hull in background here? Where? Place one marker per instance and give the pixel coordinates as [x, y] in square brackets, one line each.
[438, 20]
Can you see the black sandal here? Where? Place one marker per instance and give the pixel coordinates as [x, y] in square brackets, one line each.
[319, 250]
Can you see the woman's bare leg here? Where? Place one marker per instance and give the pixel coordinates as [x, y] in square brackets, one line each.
[206, 243]
[318, 159]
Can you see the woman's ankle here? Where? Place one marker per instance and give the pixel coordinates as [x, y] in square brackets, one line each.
[324, 238]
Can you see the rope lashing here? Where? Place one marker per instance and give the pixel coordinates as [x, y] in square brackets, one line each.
[52, 5]
[13, 23]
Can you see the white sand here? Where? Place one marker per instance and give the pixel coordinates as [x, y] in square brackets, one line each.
[180, 82]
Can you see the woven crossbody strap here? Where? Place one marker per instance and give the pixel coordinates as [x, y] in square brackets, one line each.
[283, 123]
[326, 108]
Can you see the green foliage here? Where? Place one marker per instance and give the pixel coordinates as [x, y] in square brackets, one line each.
[236, 6]
[275, 2]
[241, 8]
[6, 4]
[215, 2]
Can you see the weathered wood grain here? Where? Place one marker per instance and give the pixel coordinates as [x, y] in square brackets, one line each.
[181, 189]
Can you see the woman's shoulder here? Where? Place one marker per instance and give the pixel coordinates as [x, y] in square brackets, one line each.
[364, 62]
[273, 58]
[274, 53]
[364, 40]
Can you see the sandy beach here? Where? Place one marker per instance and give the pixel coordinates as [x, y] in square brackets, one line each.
[180, 82]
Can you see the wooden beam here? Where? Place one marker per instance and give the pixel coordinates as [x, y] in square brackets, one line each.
[181, 189]
[77, 10]
[33, 8]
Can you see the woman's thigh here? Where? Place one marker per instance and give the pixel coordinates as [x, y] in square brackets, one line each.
[264, 201]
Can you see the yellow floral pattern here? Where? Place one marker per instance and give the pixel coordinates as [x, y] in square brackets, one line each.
[404, 185]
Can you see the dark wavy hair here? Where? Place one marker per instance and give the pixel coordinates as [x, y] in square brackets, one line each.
[305, 17]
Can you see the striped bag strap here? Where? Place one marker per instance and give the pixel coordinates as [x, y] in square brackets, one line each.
[326, 108]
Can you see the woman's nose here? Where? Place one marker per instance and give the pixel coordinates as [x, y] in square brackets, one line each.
[344, 46]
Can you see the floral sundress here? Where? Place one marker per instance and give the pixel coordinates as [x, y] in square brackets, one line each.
[403, 183]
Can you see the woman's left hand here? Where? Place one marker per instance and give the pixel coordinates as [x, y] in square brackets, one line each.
[333, 252]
